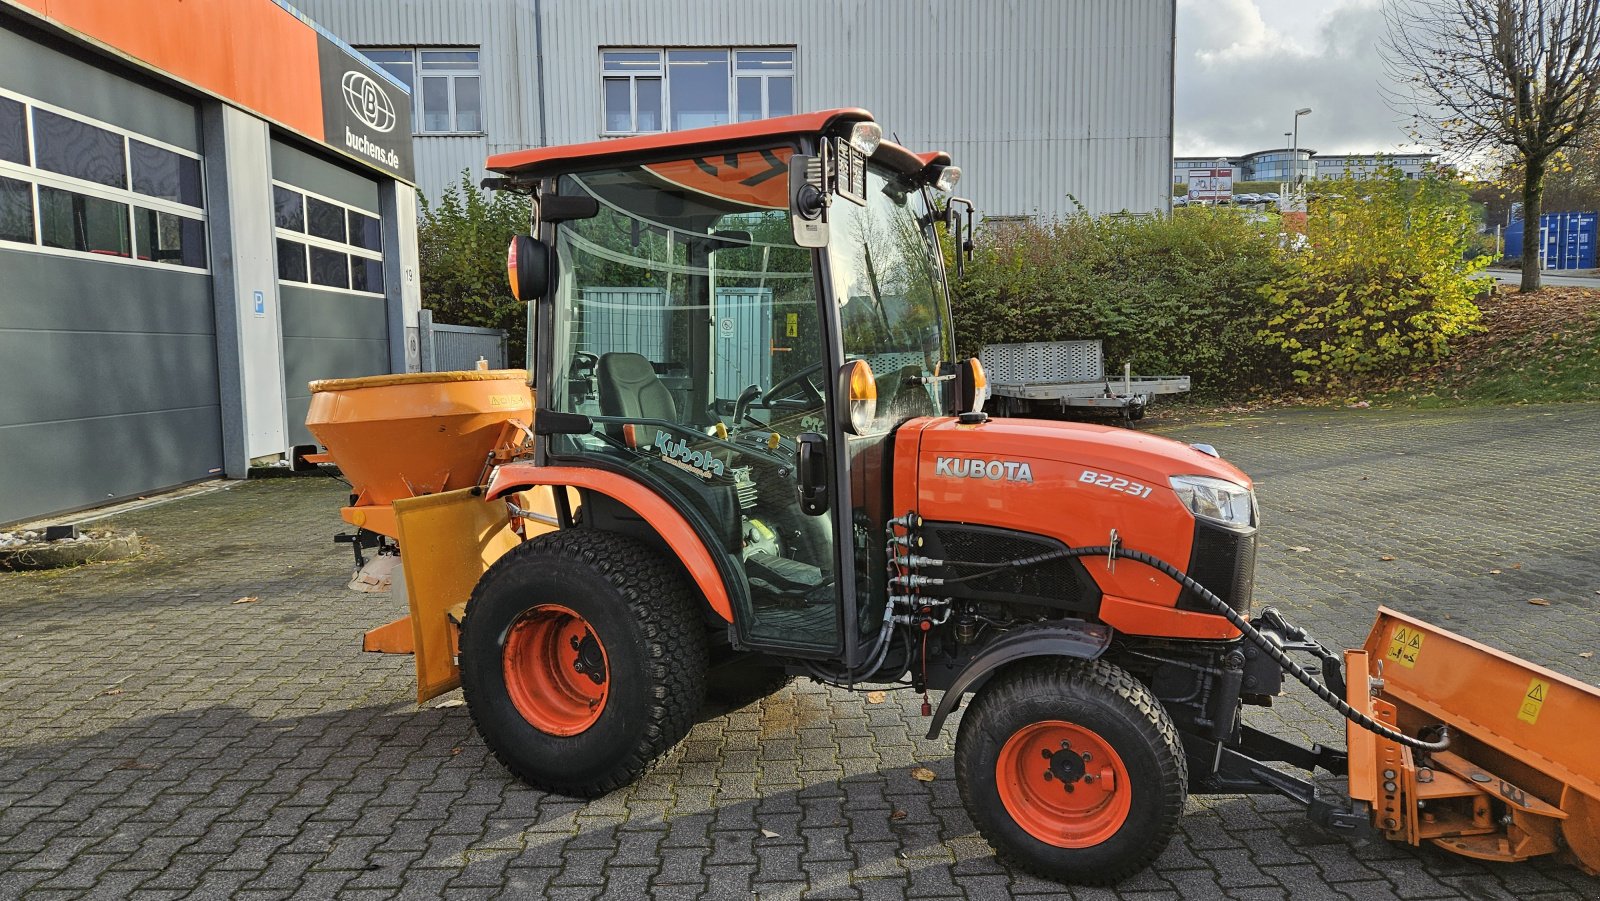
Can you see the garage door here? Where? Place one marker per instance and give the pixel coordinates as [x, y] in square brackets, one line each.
[330, 276]
[107, 336]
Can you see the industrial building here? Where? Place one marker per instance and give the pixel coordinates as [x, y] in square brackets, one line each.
[1283, 164]
[203, 206]
[1044, 105]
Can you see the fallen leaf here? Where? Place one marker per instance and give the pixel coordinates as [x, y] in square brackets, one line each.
[876, 697]
[897, 815]
[768, 833]
[453, 702]
[109, 691]
[1494, 572]
[1386, 557]
[922, 774]
[454, 751]
[1586, 654]
[1539, 602]
[1299, 549]
[1516, 566]
[251, 599]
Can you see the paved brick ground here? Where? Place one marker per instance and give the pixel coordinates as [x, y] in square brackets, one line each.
[159, 740]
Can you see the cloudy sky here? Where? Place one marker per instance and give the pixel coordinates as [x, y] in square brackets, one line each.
[1245, 66]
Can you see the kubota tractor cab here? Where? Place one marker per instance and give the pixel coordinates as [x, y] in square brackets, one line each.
[758, 457]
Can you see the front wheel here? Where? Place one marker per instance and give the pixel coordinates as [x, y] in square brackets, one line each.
[583, 660]
[1072, 770]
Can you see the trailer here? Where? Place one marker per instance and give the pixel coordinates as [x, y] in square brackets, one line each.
[1052, 376]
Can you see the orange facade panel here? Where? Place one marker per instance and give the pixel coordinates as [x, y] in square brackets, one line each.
[252, 53]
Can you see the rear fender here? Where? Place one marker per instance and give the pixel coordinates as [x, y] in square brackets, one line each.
[1059, 638]
[671, 525]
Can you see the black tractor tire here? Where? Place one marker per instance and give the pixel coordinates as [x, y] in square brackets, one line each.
[641, 609]
[1125, 716]
[742, 681]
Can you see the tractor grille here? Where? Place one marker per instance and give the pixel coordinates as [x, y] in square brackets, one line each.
[1223, 560]
[1057, 583]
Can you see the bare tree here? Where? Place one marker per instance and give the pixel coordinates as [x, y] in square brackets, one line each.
[1515, 79]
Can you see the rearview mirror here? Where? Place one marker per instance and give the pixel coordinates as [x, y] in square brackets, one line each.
[528, 268]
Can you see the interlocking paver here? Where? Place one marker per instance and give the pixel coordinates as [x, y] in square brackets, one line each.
[162, 741]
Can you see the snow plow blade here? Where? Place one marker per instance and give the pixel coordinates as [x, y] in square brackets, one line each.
[1521, 777]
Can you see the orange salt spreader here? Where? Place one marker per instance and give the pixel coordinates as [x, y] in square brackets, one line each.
[415, 447]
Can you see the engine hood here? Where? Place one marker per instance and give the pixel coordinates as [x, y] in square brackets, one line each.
[1149, 459]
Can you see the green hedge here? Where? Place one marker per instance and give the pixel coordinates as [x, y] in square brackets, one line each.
[1379, 287]
[1178, 295]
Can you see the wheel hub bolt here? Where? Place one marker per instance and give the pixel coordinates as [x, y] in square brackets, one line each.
[1049, 776]
[1087, 757]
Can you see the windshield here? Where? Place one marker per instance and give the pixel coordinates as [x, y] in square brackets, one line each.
[888, 280]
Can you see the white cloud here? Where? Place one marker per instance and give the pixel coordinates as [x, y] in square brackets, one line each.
[1245, 66]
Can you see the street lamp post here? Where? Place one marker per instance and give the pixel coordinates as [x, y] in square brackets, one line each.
[1294, 149]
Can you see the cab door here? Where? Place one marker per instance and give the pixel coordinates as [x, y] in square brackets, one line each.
[688, 328]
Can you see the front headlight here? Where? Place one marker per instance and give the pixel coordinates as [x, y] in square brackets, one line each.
[1216, 499]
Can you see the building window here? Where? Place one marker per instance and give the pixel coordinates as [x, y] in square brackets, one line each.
[647, 90]
[70, 147]
[69, 184]
[446, 90]
[291, 261]
[13, 132]
[169, 238]
[631, 81]
[326, 243]
[73, 221]
[16, 211]
[161, 173]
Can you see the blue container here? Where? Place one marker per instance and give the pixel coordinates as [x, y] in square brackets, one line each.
[1569, 240]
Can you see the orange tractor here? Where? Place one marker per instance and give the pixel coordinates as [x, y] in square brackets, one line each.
[748, 452]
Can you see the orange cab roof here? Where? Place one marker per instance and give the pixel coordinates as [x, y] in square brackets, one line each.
[529, 162]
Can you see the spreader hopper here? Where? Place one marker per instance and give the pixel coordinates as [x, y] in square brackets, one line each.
[408, 435]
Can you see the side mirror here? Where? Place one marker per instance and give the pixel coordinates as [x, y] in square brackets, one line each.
[562, 208]
[528, 268]
[808, 203]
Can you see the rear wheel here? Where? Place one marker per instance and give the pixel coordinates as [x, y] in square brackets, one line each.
[1072, 770]
[583, 660]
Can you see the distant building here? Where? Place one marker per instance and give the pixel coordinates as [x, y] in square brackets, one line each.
[1280, 164]
[1360, 165]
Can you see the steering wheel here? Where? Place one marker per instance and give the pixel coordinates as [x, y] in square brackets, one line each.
[803, 378]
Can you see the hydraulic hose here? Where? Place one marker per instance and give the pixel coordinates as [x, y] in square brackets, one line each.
[1243, 625]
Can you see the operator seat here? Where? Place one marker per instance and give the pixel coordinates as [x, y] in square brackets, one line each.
[630, 388]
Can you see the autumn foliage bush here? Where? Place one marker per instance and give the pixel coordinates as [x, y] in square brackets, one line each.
[1383, 286]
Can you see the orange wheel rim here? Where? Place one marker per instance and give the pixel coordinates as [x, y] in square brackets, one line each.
[1063, 784]
[556, 670]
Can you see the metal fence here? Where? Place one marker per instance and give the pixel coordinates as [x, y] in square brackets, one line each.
[447, 348]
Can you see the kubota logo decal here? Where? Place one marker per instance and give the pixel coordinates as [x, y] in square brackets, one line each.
[675, 451]
[368, 100]
[974, 468]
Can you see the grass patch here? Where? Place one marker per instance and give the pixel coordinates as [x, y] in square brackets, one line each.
[1538, 348]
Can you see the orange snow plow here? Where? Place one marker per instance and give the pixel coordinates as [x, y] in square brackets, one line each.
[1521, 777]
